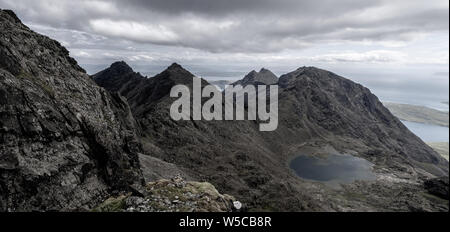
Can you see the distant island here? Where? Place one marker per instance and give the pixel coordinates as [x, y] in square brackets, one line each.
[419, 114]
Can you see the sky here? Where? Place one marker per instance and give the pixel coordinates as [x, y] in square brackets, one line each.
[398, 48]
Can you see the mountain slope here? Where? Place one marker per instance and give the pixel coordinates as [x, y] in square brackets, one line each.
[337, 107]
[64, 142]
[319, 112]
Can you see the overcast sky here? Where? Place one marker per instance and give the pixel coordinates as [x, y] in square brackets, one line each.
[405, 38]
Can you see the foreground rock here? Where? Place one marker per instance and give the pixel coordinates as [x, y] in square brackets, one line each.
[174, 195]
[65, 143]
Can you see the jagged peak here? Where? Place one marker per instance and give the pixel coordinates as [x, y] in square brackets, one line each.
[14, 45]
[176, 69]
[264, 70]
[175, 66]
[11, 15]
[252, 74]
[118, 71]
[263, 76]
[176, 73]
[121, 67]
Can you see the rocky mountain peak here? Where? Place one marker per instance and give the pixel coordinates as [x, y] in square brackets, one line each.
[175, 66]
[264, 70]
[311, 75]
[14, 49]
[252, 73]
[12, 15]
[116, 77]
[175, 73]
[120, 67]
[264, 76]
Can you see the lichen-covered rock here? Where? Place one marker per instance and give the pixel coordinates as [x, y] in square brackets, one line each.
[174, 195]
[64, 141]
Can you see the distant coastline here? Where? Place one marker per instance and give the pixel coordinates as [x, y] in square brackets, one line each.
[419, 114]
[423, 115]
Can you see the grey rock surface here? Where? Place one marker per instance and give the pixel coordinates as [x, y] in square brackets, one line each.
[65, 143]
[172, 195]
[438, 187]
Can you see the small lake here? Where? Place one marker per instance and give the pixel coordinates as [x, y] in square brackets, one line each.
[427, 132]
[333, 169]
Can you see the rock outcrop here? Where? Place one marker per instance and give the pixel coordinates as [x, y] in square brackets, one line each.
[438, 187]
[67, 144]
[172, 195]
[64, 142]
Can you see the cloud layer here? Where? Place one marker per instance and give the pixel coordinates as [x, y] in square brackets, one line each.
[257, 26]
[397, 48]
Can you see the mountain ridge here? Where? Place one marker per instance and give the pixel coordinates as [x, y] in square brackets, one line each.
[67, 144]
[318, 109]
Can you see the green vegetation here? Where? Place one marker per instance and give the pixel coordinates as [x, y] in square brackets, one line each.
[112, 204]
[43, 85]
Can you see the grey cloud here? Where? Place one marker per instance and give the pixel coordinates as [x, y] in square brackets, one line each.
[221, 8]
[257, 26]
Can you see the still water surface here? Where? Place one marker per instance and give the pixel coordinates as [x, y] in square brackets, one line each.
[332, 169]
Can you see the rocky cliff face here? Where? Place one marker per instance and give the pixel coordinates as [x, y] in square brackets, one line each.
[64, 142]
[319, 112]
